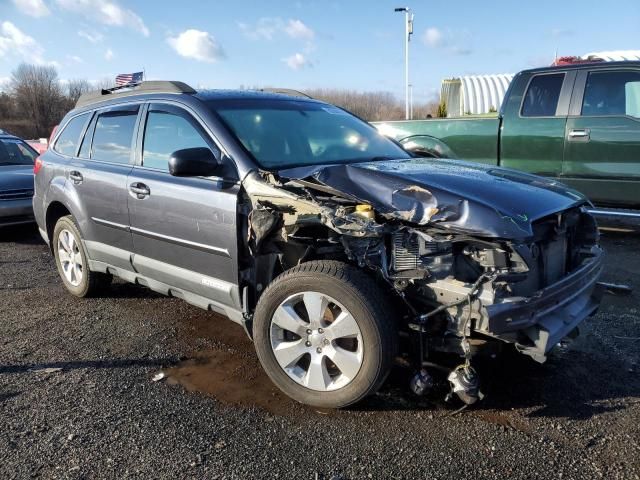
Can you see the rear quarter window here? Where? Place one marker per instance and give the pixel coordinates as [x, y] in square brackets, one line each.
[543, 93]
[69, 138]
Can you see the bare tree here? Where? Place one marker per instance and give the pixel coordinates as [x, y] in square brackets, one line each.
[77, 87]
[38, 96]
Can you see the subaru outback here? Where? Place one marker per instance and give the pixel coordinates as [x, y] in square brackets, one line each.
[337, 251]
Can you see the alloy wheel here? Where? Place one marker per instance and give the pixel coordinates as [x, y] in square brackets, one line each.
[316, 341]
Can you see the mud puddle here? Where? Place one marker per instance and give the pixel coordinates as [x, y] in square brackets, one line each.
[228, 368]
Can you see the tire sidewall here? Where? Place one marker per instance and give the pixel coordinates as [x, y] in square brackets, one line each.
[67, 223]
[369, 374]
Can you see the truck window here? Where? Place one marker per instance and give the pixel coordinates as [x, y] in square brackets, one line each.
[67, 143]
[164, 134]
[541, 99]
[113, 136]
[612, 93]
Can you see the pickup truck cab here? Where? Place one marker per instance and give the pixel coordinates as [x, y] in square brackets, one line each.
[578, 123]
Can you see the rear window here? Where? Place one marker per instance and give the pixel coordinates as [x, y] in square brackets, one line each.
[14, 151]
[113, 136]
[541, 99]
[67, 143]
[612, 93]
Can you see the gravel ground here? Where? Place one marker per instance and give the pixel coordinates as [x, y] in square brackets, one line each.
[77, 399]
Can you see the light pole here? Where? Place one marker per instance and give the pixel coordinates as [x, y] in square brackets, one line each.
[411, 101]
[408, 17]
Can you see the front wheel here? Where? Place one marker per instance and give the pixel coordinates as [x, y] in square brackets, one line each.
[324, 333]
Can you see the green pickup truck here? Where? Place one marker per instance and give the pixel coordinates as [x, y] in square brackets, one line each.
[577, 123]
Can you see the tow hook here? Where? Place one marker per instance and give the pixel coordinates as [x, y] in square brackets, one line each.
[465, 383]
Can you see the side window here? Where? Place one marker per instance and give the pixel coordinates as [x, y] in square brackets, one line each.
[541, 99]
[113, 136]
[67, 143]
[612, 93]
[164, 134]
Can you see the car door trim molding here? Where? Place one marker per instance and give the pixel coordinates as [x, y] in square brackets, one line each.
[180, 241]
[107, 223]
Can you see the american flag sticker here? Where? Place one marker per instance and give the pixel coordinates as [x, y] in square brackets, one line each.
[128, 78]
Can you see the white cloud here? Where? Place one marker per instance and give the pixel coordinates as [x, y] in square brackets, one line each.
[454, 42]
[14, 42]
[75, 59]
[297, 29]
[266, 28]
[432, 37]
[34, 8]
[107, 12]
[94, 37]
[108, 55]
[196, 44]
[297, 61]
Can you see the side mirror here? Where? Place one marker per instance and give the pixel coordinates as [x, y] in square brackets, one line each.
[193, 162]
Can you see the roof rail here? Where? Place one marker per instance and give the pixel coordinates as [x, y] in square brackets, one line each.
[134, 89]
[285, 91]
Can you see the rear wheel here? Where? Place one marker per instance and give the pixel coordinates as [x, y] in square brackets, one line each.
[324, 334]
[72, 262]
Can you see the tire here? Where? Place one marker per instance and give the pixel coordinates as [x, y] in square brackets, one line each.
[74, 268]
[363, 353]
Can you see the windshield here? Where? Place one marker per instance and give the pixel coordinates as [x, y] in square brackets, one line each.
[14, 151]
[292, 133]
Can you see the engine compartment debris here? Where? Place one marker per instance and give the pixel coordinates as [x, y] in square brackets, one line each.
[470, 275]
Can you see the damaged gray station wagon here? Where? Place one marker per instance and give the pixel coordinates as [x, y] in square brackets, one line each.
[337, 250]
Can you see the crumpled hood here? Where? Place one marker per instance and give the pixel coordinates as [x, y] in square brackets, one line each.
[16, 177]
[462, 196]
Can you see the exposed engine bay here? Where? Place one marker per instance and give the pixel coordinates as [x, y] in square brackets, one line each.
[467, 278]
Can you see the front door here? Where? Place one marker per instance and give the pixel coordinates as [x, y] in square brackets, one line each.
[184, 228]
[602, 151]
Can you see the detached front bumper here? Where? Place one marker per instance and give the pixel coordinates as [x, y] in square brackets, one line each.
[537, 323]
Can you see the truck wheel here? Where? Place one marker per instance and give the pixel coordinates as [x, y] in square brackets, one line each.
[325, 334]
[72, 262]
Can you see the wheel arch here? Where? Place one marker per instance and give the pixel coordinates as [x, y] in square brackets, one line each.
[427, 146]
[55, 211]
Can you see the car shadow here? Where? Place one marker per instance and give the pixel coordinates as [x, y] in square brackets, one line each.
[573, 384]
[53, 367]
[26, 234]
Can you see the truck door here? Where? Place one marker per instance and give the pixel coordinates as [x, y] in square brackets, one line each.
[184, 228]
[535, 113]
[602, 150]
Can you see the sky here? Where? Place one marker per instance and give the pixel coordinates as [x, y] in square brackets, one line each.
[352, 44]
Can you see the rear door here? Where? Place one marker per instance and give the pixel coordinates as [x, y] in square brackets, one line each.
[184, 228]
[532, 132]
[602, 152]
[98, 177]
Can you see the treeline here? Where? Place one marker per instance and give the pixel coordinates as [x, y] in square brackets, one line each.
[35, 100]
[372, 106]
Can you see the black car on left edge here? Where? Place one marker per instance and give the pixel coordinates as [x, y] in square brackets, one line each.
[16, 180]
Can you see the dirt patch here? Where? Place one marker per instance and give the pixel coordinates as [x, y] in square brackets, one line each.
[229, 369]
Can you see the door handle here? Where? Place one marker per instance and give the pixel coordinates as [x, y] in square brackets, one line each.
[139, 189]
[580, 134]
[75, 176]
